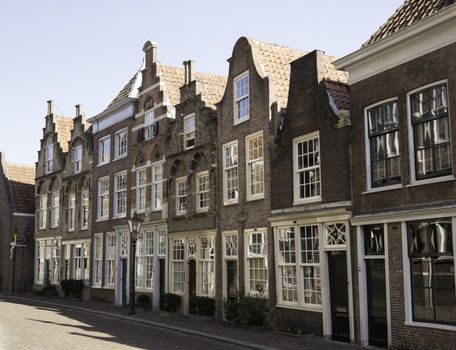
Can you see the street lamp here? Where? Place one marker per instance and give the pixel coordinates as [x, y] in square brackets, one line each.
[134, 225]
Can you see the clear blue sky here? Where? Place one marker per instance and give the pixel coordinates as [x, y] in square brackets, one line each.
[85, 51]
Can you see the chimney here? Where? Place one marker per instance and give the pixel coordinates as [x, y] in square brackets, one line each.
[189, 71]
[50, 105]
[150, 49]
[79, 110]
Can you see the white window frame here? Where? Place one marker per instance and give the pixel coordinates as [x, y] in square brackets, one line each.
[237, 100]
[120, 194]
[226, 169]
[39, 261]
[141, 189]
[299, 267]
[97, 259]
[411, 142]
[189, 135]
[181, 198]
[49, 158]
[149, 120]
[42, 212]
[206, 261]
[110, 259]
[77, 156]
[157, 186]
[250, 162]
[55, 209]
[205, 194]
[71, 211]
[84, 210]
[81, 262]
[367, 149]
[249, 256]
[121, 143]
[104, 150]
[296, 191]
[103, 198]
[175, 262]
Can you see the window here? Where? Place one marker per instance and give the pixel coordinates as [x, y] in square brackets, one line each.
[157, 186]
[256, 261]
[431, 132]
[70, 213]
[149, 118]
[231, 245]
[139, 261]
[55, 261]
[121, 143]
[149, 258]
[98, 258]
[189, 131]
[202, 191]
[120, 194]
[230, 173]
[77, 156]
[103, 198]
[298, 266]
[254, 166]
[383, 133]
[48, 158]
[43, 211]
[307, 186]
[80, 261]
[430, 249]
[241, 98]
[84, 213]
[104, 150]
[39, 258]
[207, 272]
[178, 265]
[181, 196]
[55, 209]
[141, 186]
[110, 259]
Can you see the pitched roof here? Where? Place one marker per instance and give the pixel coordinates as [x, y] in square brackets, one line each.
[212, 86]
[21, 179]
[410, 12]
[63, 126]
[275, 61]
[129, 90]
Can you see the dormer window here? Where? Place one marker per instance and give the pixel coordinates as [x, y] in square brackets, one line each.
[189, 131]
[49, 158]
[241, 98]
[77, 156]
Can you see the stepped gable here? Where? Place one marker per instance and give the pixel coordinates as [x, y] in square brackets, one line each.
[21, 180]
[63, 127]
[410, 12]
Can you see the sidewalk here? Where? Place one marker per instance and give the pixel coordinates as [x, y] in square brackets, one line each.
[204, 327]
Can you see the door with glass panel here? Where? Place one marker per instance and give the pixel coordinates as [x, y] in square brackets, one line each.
[374, 255]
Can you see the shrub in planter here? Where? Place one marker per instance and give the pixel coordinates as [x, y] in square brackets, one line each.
[170, 302]
[144, 302]
[202, 306]
[72, 288]
[247, 310]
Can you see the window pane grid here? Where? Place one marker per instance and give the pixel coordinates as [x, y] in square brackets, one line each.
[203, 191]
[231, 172]
[308, 168]
[255, 165]
[121, 194]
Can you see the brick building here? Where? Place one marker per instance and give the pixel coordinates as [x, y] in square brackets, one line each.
[402, 84]
[110, 195]
[257, 88]
[191, 159]
[62, 228]
[17, 215]
[311, 202]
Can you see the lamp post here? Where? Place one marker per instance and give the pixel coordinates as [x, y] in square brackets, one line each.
[134, 225]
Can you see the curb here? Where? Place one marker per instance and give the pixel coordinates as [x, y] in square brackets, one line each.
[184, 330]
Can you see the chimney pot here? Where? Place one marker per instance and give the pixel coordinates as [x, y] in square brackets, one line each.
[79, 110]
[189, 71]
[50, 107]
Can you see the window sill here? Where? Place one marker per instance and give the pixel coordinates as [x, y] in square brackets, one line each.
[84, 228]
[109, 287]
[120, 157]
[255, 198]
[432, 180]
[317, 308]
[102, 219]
[119, 216]
[430, 325]
[307, 201]
[202, 211]
[230, 203]
[101, 164]
[240, 121]
[382, 189]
